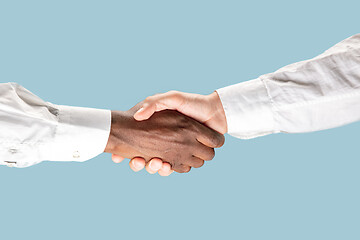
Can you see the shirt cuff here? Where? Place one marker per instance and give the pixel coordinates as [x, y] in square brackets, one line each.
[81, 134]
[248, 109]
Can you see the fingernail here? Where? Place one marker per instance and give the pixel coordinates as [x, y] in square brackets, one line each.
[116, 159]
[151, 164]
[137, 165]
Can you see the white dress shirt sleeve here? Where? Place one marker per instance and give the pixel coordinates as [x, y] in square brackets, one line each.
[33, 130]
[311, 95]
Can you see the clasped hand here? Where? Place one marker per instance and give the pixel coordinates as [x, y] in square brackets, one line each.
[168, 132]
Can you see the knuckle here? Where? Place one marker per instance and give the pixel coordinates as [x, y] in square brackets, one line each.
[187, 169]
[172, 92]
[199, 164]
[218, 140]
[148, 99]
[202, 164]
[222, 140]
[174, 95]
[178, 170]
[157, 94]
[211, 154]
[182, 169]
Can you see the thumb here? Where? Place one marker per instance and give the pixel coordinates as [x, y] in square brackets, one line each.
[146, 111]
[172, 100]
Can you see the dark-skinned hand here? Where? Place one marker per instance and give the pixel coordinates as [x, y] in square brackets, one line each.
[169, 135]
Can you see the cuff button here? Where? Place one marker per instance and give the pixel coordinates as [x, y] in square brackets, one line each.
[76, 154]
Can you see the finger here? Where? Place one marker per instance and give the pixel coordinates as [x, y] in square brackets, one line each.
[203, 152]
[196, 162]
[137, 163]
[165, 170]
[209, 137]
[181, 168]
[117, 158]
[171, 100]
[154, 165]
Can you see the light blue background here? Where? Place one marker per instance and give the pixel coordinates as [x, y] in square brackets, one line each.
[112, 54]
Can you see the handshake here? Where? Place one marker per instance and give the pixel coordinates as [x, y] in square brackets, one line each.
[168, 132]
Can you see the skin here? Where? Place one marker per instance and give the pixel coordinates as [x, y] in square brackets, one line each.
[167, 136]
[206, 109]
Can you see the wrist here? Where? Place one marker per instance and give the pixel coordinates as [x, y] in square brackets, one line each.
[114, 141]
[217, 112]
